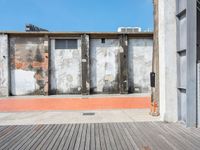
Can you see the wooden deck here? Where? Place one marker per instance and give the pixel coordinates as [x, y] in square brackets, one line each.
[108, 136]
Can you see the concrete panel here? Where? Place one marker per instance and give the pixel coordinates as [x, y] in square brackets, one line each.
[3, 65]
[139, 65]
[168, 60]
[183, 33]
[182, 61]
[181, 5]
[66, 70]
[29, 65]
[182, 105]
[198, 93]
[104, 65]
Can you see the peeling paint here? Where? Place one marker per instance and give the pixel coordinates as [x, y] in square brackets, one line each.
[27, 55]
[104, 65]
[66, 70]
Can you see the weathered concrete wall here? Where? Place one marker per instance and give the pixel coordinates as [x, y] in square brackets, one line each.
[104, 59]
[139, 65]
[29, 65]
[96, 64]
[66, 70]
[168, 60]
[3, 65]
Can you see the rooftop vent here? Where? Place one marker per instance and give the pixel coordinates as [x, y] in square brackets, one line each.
[129, 29]
[33, 28]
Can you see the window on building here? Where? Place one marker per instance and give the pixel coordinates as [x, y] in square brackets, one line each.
[103, 40]
[66, 44]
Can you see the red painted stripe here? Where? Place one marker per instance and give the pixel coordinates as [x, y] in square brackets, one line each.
[39, 104]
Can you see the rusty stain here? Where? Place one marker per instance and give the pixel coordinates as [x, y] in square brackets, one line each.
[28, 54]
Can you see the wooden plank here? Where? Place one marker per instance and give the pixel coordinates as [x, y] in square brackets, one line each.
[68, 140]
[143, 139]
[106, 136]
[54, 139]
[157, 137]
[102, 137]
[152, 132]
[62, 143]
[83, 137]
[34, 138]
[129, 137]
[187, 134]
[116, 138]
[78, 141]
[146, 135]
[92, 141]
[47, 139]
[14, 139]
[7, 131]
[169, 138]
[58, 141]
[182, 140]
[111, 138]
[129, 145]
[42, 138]
[97, 140]
[26, 137]
[120, 137]
[51, 139]
[87, 140]
[74, 137]
[10, 136]
[3, 128]
[134, 136]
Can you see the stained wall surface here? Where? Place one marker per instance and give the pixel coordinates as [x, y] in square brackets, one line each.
[37, 67]
[104, 64]
[65, 70]
[139, 65]
[29, 66]
[3, 65]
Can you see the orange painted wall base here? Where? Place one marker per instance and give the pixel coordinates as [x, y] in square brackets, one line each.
[46, 104]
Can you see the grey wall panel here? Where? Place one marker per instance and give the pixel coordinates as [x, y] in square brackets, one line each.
[186, 24]
[198, 91]
[183, 33]
[182, 61]
[182, 5]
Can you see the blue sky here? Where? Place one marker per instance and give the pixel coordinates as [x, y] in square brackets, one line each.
[75, 15]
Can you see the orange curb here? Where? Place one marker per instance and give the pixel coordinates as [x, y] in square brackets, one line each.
[44, 104]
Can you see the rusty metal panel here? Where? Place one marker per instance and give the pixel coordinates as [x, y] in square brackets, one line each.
[139, 65]
[66, 70]
[29, 65]
[3, 65]
[104, 57]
